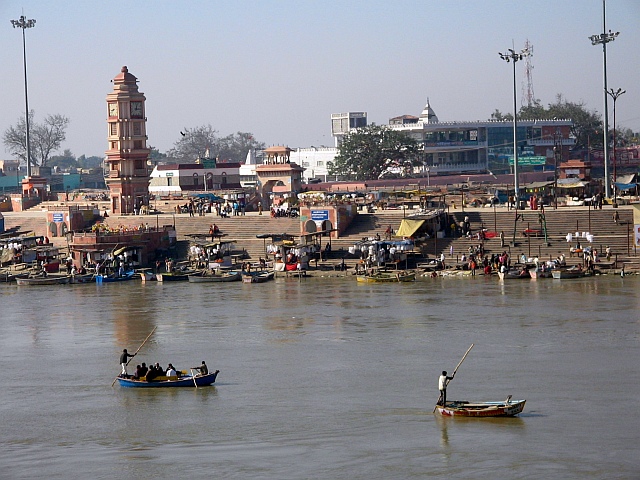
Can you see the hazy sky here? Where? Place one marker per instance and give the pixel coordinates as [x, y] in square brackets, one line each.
[279, 69]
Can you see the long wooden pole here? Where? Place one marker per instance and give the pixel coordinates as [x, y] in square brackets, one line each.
[136, 352]
[465, 356]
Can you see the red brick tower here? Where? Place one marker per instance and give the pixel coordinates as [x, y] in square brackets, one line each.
[128, 176]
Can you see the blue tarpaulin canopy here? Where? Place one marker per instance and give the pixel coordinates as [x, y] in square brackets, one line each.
[209, 196]
[625, 186]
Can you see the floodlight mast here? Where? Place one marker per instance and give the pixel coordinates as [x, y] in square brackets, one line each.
[25, 23]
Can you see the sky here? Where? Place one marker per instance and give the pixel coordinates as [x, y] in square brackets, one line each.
[280, 68]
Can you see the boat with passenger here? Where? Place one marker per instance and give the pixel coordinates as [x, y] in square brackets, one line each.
[506, 408]
[184, 380]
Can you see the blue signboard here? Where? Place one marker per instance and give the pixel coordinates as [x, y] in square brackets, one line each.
[319, 215]
[58, 217]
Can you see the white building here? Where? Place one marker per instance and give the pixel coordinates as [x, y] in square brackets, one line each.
[188, 177]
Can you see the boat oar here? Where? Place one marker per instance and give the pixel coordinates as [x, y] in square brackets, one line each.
[456, 369]
[194, 378]
[136, 352]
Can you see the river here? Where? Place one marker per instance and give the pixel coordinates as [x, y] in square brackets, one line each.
[322, 379]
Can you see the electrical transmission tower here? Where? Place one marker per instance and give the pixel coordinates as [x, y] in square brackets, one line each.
[528, 97]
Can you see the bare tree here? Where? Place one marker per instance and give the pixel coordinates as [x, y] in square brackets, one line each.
[196, 142]
[45, 138]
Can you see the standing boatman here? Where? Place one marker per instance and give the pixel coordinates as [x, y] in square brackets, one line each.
[443, 381]
[123, 361]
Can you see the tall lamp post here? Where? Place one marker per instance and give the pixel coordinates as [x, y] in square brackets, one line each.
[513, 56]
[602, 39]
[614, 94]
[25, 23]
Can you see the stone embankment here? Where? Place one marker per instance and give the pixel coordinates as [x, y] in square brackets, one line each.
[599, 223]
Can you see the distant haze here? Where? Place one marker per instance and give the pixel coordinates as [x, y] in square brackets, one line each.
[279, 69]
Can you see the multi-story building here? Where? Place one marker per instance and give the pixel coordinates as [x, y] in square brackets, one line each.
[477, 146]
[485, 146]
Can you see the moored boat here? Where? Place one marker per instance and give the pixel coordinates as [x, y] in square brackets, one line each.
[43, 280]
[109, 279]
[388, 277]
[207, 277]
[162, 381]
[572, 272]
[82, 278]
[174, 276]
[506, 408]
[257, 277]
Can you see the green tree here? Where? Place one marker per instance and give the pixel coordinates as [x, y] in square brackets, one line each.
[156, 156]
[45, 138]
[89, 162]
[586, 123]
[498, 116]
[374, 151]
[236, 146]
[64, 161]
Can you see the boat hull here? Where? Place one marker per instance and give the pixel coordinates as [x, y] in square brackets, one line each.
[106, 279]
[187, 381]
[31, 281]
[258, 277]
[387, 277]
[564, 274]
[172, 277]
[481, 409]
[218, 277]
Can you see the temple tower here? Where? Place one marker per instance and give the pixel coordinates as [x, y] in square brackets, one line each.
[128, 176]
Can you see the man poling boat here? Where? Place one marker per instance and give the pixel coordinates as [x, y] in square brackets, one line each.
[506, 408]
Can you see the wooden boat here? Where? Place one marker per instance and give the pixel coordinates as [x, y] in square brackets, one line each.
[563, 273]
[514, 274]
[387, 277]
[257, 277]
[147, 275]
[42, 280]
[207, 277]
[109, 279]
[535, 273]
[85, 278]
[174, 276]
[162, 381]
[507, 408]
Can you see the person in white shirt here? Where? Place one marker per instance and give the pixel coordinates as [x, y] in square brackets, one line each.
[171, 371]
[443, 381]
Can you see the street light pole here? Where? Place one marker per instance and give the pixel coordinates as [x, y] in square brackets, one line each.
[513, 56]
[602, 39]
[25, 23]
[614, 94]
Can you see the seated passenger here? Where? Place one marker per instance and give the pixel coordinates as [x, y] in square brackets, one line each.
[138, 373]
[143, 370]
[171, 371]
[203, 369]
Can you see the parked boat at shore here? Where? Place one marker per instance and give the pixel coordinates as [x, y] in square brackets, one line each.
[115, 278]
[572, 272]
[177, 276]
[43, 280]
[257, 277]
[388, 277]
[209, 277]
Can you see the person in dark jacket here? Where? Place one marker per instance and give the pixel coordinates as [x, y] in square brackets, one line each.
[123, 361]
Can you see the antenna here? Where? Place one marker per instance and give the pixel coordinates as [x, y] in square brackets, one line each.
[528, 97]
